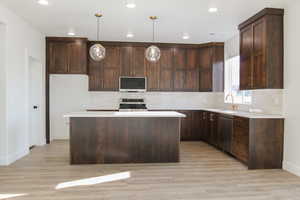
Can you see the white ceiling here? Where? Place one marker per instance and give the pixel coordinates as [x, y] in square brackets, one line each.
[175, 18]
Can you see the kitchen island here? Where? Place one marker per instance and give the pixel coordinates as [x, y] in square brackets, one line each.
[124, 137]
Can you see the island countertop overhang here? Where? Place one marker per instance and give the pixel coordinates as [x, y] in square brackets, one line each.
[129, 114]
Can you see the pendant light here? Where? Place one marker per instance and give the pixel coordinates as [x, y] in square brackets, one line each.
[152, 53]
[97, 51]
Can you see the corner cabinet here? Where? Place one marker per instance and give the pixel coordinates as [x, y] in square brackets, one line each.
[66, 55]
[211, 68]
[261, 51]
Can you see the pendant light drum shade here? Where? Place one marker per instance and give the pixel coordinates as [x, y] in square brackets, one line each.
[97, 51]
[152, 53]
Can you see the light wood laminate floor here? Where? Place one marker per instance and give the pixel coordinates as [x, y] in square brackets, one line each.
[204, 173]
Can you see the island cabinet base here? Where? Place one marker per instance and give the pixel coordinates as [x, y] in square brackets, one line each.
[95, 140]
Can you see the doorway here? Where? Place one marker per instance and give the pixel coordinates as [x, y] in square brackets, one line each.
[35, 93]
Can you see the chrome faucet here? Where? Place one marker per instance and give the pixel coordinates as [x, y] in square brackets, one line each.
[233, 106]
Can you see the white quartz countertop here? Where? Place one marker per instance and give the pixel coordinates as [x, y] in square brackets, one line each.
[251, 115]
[125, 114]
[245, 114]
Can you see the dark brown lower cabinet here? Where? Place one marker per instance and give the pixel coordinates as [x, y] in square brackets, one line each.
[258, 143]
[190, 126]
[205, 126]
[266, 143]
[240, 139]
[213, 117]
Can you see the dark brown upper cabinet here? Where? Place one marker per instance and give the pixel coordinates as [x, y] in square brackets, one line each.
[261, 51]
[160, 74]
[186, 69]
[104, 75]
[182, 67]
[133, 61]
[138, 62]
[66, 55]
[211, 68]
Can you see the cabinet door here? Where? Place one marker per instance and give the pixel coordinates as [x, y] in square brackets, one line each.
[246, 59]
[126, 60]
[180, 59]
[205, 124]
[213, 129]
[186, 75]
[192, 58]
[95, 75]
[192, 70]
[196, 126]
[179, 80]
[160, 74]
[205, 65]
[225, 129]
[218, 69]
[77, 57]
[240, 139]
[179, 69]
[153, 75]
[259, 55]
[138, 68]
[190, 126]
[191, 80]
[186, 126]
[205, 80]
[111, 69]
[166, 69]
[58, 57]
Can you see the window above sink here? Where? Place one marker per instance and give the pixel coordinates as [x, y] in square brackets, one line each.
[232, 94]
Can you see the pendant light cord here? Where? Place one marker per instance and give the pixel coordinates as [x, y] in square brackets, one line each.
[98, 27]
[153, 30]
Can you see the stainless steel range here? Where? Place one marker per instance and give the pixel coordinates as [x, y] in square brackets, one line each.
[132, 104]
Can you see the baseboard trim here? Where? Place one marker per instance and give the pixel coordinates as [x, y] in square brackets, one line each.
[291, 167]
[11, 158]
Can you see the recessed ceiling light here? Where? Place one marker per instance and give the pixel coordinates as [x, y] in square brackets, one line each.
[185, 36]
[71, 33]
[43, 2]
[212, 34]
[129, 35]
[213, 10]
[130, 4]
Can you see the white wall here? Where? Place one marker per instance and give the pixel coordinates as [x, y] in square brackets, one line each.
[20, 38]
[292, 83]
[69, 93]
[3, 136]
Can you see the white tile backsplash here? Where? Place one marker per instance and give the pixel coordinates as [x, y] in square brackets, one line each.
[69, 93]
[154, 100]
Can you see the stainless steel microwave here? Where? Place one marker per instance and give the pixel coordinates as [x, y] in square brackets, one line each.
[132, 84]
